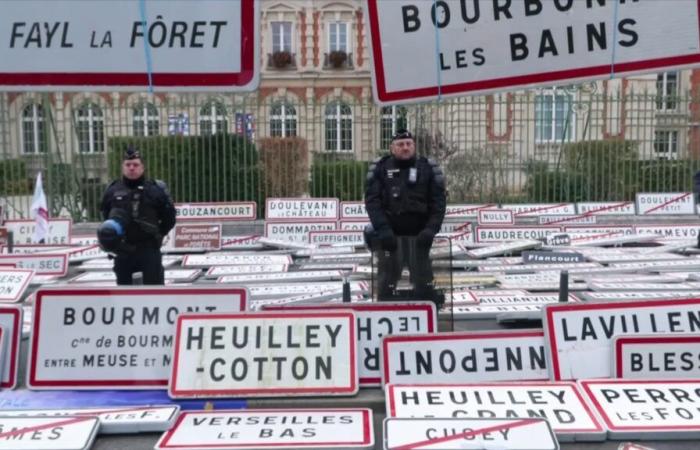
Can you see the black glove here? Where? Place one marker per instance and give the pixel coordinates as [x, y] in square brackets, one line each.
[425, 238]
[387, 240]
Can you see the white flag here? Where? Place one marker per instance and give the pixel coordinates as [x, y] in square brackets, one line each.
[40, 212]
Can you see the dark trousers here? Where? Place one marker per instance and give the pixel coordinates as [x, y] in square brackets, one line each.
[391, 264]
[147, 260]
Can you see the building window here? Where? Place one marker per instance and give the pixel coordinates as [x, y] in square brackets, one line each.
[554, 116]
[666, 144]
[146, 121]
[281, 37]
[667, 91]
[283, 120]
[338, 37]
[338, 127]
[90, 128]
[393, 118]
[33, 129]
[212, 119]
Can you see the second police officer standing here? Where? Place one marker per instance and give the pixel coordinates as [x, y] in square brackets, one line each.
[138, 213]
[405, 200]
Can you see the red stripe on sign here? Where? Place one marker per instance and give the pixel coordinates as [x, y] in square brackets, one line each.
[544, 208]
[44, 426]
[668, 202]
[464, 435]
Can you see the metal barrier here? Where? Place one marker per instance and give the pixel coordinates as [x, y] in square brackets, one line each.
[584, 142]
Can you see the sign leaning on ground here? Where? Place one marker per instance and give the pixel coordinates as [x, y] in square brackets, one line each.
[264, 354]
[579, 336]
[666, 203]
[468, 49]
[206, 237]
[118, 338]
[23, 229]
[301, 209]
[215, 212]
[13, 282]
[464, 357]
[660, 356]
[48, 433]
[11, 324]
[40, 263]
[271, 428]
[562, 404]
[448, 434]
[638, 409]
[115, 420]
[374, 322]
[73, 45]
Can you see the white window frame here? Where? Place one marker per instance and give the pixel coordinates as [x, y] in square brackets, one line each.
[335, 46]
[667, 95]
[34, 125]
[213, 112]
[147, 116]
[288, 112]
[668, 141]
[95, 122]
[552, 95]
[339, 118]
[280, 46]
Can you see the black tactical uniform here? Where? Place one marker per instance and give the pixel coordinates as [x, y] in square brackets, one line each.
[147, 213]
[405, 198]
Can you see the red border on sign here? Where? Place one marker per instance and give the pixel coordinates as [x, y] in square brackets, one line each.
[13, 345]
[313, 233]
[63, 256]
[511, 220]
[383, 95]
[158, 79]
[367, 429]
[186, 259]
[428, 308]
[217, 218]
[515, 227]
[681, 196]
[51, 220]
[585, 385]
[92, 384]
[549, 311]
[391, 410]
[621, 341]
[174, 392]
[467, 335]
[345, 203]
[302, 220]
[23, 287]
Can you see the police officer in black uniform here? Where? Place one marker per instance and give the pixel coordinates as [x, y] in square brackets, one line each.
[138, 213]
[405, 200]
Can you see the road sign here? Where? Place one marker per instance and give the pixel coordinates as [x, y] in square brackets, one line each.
[449, 434]
[580, 335]
[264, 354]
[466, 49]
[11, 324]
[666, 203]
[464, 357]
[71, 45]
[48, 433]
[660, 356]
[118, 338]
[562, 404]
[301, 209]
[651, 409]
[374, 322]
[13, 282]
[253, 429]
[213, 212]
